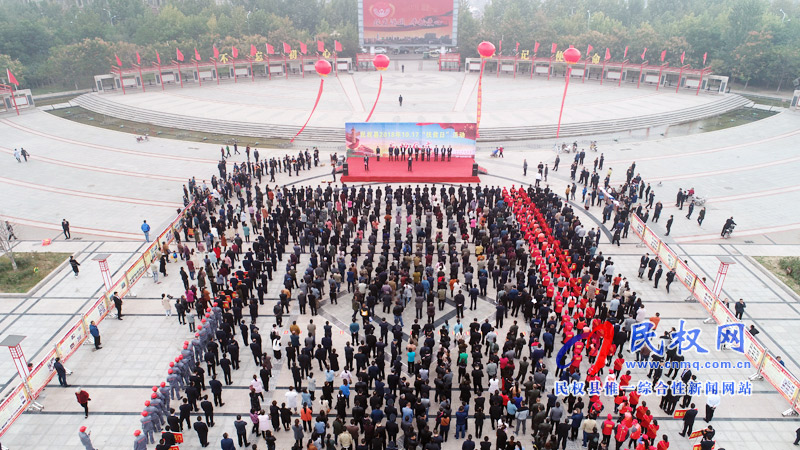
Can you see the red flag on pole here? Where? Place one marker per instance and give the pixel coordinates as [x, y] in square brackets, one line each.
[320, 46]
[644, 53]
[517, 49]
[11, 78]
[663, 55]
[197, 55]
[553, 47]
[158, 58]
[138, 59]
[337, 46]
[216, 52]
[535, 47]
[704, 58]
[625, 55]
[270, 49]
[287, 48]
[253, 50]
[303, 48]
[119, 63]
[589, 50]
[235, 52]
[683, 55]
[608, 54]
[178, 54]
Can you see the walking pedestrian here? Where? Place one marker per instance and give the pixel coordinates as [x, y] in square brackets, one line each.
[117, 304]
[86, 438]
[202, 431]
[701, 216]
[75, 264]
[669, 224]
[712, 402]
[146, 231]
[83, 400]
[400, 99]
[688, 421]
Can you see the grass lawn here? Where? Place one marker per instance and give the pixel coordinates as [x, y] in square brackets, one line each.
[84, 116]
[778, 265]
[31, 269]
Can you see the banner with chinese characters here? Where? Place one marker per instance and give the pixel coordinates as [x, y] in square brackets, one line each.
[651, 240]
[72, 340]
[777, 375]
[685, 275]
[667, 256]
[12, 407]
[367, 138]
[753, 349]
[398, 22]
[704, 295]
[637, 225]
[43, 373]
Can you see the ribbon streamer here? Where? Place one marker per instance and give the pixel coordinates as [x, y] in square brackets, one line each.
[319, 94]
[480, 99]
[380, 86]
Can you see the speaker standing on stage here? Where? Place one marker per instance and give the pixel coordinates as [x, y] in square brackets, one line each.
[366, 163]
[410, 160]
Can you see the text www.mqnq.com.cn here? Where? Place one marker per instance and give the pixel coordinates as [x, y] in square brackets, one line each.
[694, 365]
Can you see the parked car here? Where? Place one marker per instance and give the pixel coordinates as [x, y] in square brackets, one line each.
[379, 50]
[434, 52]
[419, 50]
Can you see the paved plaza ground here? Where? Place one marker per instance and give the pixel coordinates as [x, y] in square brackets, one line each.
[105, 184]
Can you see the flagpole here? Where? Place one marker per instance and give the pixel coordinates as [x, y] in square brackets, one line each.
[585, 62]
[160, 76]
[700, 83]
[660, 69]
[680, 75]
[533, 64]
[335, 63]
[180, 76]
[603, 73]
[252, 74]
[641, 69]
[269, 72]
[199, 78]
[234, 70]
[14, 97]
[216, 71]
[285, 66]
[549, 63]
[141, 78]
[121, 80]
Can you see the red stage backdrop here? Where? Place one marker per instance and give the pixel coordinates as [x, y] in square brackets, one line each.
[363, 138]
[397, 22]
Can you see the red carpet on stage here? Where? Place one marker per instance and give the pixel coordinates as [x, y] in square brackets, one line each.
[457, 170]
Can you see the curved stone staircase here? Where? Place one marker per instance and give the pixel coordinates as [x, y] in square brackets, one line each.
[105, 105]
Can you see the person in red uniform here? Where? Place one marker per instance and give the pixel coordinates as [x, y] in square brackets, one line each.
[664, 444]
[621, 434]
[608, 429]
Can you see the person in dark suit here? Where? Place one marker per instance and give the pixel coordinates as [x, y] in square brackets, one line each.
[202, 431]
[652, 265]
[366, 163]
[688, 421]
[410, 160]
[61, 371]
[669, 224]
[227, 443]
[208, 409]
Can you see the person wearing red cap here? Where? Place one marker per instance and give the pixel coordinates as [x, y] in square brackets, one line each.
[85, 437]
[139, 440]
[608, 429]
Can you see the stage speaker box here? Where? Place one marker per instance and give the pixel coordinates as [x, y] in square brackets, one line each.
[474, 169]
[345, 169]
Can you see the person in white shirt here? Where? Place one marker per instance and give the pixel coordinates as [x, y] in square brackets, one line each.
[291, 399]
[712, 401]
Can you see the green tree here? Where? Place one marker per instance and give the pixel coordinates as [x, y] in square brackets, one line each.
[17, 69]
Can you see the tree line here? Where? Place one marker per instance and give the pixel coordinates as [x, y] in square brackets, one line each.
[47, 44]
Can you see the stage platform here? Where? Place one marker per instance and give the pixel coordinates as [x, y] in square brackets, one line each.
[457, 170]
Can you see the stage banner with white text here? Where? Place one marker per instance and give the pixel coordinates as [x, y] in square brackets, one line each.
[367, 138]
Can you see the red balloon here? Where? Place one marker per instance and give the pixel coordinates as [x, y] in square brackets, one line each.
[323, 67]
[486, 49]
[381, 62]
[572, 55]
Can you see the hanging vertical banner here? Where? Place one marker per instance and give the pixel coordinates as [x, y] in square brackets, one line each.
[480, 99]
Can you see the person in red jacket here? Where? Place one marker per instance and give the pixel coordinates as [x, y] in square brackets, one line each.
[608, 429]
[618, 363]
[83, 399]
[621, 435]
[664, 444]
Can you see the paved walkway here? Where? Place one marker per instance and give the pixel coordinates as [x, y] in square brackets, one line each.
[105, 183]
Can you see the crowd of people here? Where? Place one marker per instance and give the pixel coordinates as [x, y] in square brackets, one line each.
[524, 251]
